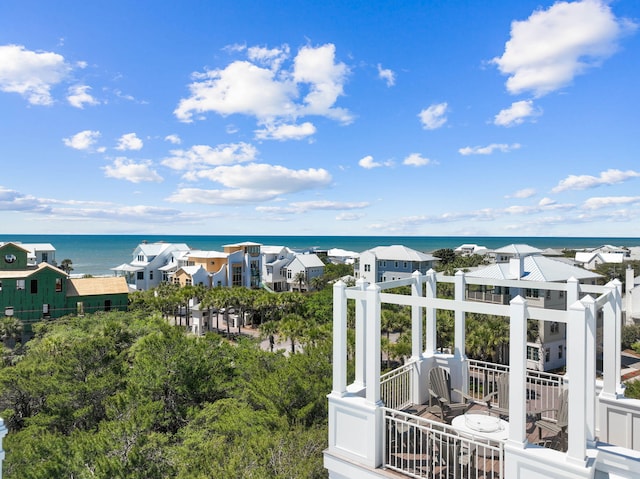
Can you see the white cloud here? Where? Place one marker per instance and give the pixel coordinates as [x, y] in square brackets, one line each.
[286, 132]
[368, 163]
[387, 75]
[174, 139]
[607, 201]
[489, 149]
[306, 206]
[416, 159]
[349, 217]
[583, 182]
[78, 96]
[83, 140]
[204, 156]
[524, 193]
[271, 93]
[434, 116]
[546, 202]
[125, 169]
[272, 57]
[270, 178]
[12, 200]
[31, 74]
[129, 141]
[546, 51]
[517, 113]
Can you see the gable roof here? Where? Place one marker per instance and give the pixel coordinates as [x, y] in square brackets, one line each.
[309, 260]
[97, 286]
[518, 250]
[536, 268]
[30, 270]
[400, 253]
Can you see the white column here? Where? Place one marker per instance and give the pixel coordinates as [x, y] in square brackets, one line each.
[611, 346]
[3, 433]
[459, 351]
[372, 373]
[339, 339]
[618, 341]
[517, 371]
[416, 317]
[431, 288]
[590, 370]
[573, 291]
[576, 360]
[361, 345]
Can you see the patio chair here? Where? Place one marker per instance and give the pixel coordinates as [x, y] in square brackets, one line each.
[558, 426]
[498, 400]
[440, 390]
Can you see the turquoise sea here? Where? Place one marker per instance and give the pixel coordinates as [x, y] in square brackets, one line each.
[96, 254]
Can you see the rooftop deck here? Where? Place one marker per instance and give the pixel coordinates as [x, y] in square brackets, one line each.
[386, 425]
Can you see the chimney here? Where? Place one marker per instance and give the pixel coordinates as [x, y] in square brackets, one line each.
[516, 267]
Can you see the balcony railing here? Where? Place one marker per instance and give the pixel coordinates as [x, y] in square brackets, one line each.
[395, 387]
[421, 448]
[488, 297]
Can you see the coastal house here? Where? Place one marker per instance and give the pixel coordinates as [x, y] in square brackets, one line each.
[192, 276]
[152, 263]
[526, 267]
[468, 249]
[275, 260]
[592, 259]
[33, 292]
[389, 425]
[305, 267]
[388, 263]
[39, 252]
[244, 264]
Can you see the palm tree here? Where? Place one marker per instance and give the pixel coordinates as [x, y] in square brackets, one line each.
[268, 330]
[10, 331]
[292, 327]
[300, 278]
[65, 265]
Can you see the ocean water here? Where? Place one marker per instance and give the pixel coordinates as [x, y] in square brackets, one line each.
[96, 254]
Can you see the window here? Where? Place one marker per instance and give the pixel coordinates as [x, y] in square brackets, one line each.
[367, 268]
[548, 294]
[140, 257]
[0, 285]
[34, 286]
[80, 307]
[188, 282]
[236, 275]
[45, 309]
[555, 327]
[20, 284]
[140, 275]
[150, 275]
[547, 356]
[58, 285]
[107, 305]
[8, 311]
[533, 353]
[396, 265]
[405, 265]
[532, 293]
[561, 294]
[560, 350]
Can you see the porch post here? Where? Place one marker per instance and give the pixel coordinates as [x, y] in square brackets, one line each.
[611, 347]
[617, 287]
[339, 339]
[576, 360]
[590, 370]
[372, 355]
[431, 286]
[361, 346]
[459, 351]
[416, 317]
[517, 371]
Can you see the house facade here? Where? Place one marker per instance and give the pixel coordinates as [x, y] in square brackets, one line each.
[529, 268]
[33, 292]
[275, 260]
[305, 267]
[151, 264]
[244, 264]
[390, 263]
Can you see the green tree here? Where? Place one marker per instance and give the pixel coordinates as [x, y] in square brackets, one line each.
[66, 265]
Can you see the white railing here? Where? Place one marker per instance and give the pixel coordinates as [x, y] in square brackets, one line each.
[542, 387]
[420, 448]
[395, 387]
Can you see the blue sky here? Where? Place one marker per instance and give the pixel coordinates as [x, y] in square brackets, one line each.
[496, 118]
